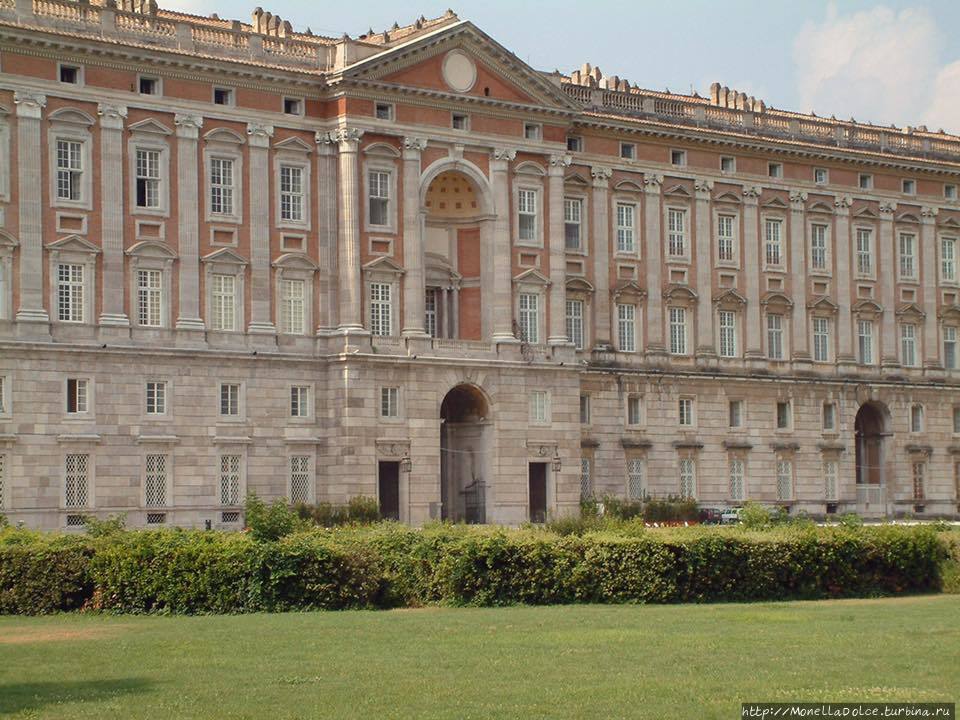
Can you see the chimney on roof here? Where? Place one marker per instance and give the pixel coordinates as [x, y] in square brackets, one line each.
[722, 96]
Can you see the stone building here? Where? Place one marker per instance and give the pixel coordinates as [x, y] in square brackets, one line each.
[238, 257]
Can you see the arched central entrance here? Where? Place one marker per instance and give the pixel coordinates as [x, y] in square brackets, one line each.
[464, 455]
[871, 430]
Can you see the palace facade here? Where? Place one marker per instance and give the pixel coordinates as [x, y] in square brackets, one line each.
[236, 257]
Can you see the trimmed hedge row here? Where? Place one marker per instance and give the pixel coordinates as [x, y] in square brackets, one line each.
[389, 565]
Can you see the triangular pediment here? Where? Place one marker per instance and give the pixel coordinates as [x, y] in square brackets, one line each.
[865, 213]
[727, 197]
[823, 304]
[950, 223]
[532, 277]
[576, 180]
[150, 126]
[911, 310]
[7, 240]
[629, 288]
[383, 264]
[151, 249]
[728, 298]
[679, 292]
[462, 60]
[950, 312]
[775, 203]
[820, 207]
[73, 243]
[295, 261]
[225, 256]
[293, 144]
[677, 191]
[867, 306]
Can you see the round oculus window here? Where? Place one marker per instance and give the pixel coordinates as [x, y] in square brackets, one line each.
[459, 71]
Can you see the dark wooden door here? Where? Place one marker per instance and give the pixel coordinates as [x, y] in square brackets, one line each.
[538, 492]
[389, 486]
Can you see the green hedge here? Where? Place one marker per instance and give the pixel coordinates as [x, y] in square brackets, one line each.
[388, 565]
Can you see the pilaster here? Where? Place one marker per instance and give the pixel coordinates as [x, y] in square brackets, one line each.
[846, 360]
[931, 333]
[752, 269]
[351, 289]
[601, 255]
[653, 244]
[704, 259]
[502, 251]
[32, 318]
[188, 223]
[112, 119]
[887, 278]
[558, 288]
[798, 278]
[261, 321]
[414, 283]
[327, 232]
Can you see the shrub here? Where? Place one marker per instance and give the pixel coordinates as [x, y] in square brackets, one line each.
[42, 573]
[622, 509]
[269, 522]
[358, 510]
[851, 520]
[754, 516]
[94, 527]
[671, 509]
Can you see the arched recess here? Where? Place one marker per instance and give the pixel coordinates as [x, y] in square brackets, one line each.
[465, 454]
[871, 434]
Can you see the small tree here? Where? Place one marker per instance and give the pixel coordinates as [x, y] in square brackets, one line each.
[269, 522]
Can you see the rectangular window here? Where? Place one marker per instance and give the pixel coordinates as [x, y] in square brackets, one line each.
[735, 413]
[379, 197]
[538, 406]
[3, 400]
[529, 317]
[950, 192]
[908, 345]
[300, 401]
[76, 491]
[223, 300]
[678, 331]
[527, 215]
[292, 306]
[230, 399]
[229, 479]
[156, 400]
[783, 415]
[586, 479]
[775, 170]
[916, 418]
[69, 169]
[389, 402]
[221, 186]
[948, 259]
[291, 193]
[149, 297]
[775, 337]
[299, 479]
[574, 143]
[908, 265]
[685, 412]
[70, 74]
[384, 111]
[821, 339]
[676, 232]
[818, 247]
[293, 106]
[865, 181]
[148, 178]
[70, 282]
[736, 478]
[909, 187]
[575, 323]
[628, 151]
[430, 312]
[864, 251]
[636, 480]
[77, 396]
[531, 131]
[626, 226]
[830, 479]
[627, 328]
[584, 409]
[678, 158]
[381, 309]
[634, 410]
[774, 242]
[155, 480]
[956, 419]
[728, 333]
[821, 176]
[459, 121]
[222, 96]
[829, 417]
[728, 164]
[784, 479]
[725, 238]
[919, 476]
[688, 477]
[149, 85]
[572, 220]
[950, 347]
[865, 341]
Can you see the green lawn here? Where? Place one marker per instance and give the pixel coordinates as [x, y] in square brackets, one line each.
[695, 661]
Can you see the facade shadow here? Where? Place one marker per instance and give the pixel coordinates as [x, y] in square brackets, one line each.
[34, 696]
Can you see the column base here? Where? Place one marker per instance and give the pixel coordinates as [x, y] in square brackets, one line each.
[190, 324]
[355, 338]
[504, 338]
[33, 325]
[414, 333]
[114, 320]
[846, 365]
[262, 328]
[114, 333]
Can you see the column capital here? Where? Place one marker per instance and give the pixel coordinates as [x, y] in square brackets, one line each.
[188, 126]
[652, 183]
[887, 209]
[751, 194]
[503, 154]
[601, 175]
[112, 116]
[346, 138]
[798, 200]
[259, 134]
[559, 163]
[414, 144]
[29, 104]
[928, 215]
[703, 187]
[842, 204]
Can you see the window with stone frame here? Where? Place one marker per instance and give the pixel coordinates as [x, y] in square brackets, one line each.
[72, 266]
[636, 478]
[155, 470]
[821, 339]
[223, 294]
[231, 479]
[950, 347]
[908, 344]
[686, 412]
[70, 292]
[527, 215]
[299, 401]
[292, 193]
[4, 396]
[626, 327]
[76, 480]
[222, 186]
[626, 227]
[528, 315]
[540, 407]
[586, 478]
[78, 400]
[735, 414]
[584, 409]
[773, 243]
[299, 479]
[676, 232]
[819, 239]
[573, 223]
[150, 298]
[230, 398]
[948, 259]
[378, 198]
[907, 252]
[727, 328]
[293, 300]
[147, 178]
[678, 330]
[829, 417]
[736, 478]
[634, 410]
[575, 322]
[784, 414]
[865, 342]
[70, 169]
[864, 252]
[687, 466]
[919, 476]
[390, 402]
[916, 418]
[155, 397]
[830, 469]
[381, 309]
[775, 336]
[726, 238]
[784, 478]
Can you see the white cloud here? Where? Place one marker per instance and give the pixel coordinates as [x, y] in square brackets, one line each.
[877, 65]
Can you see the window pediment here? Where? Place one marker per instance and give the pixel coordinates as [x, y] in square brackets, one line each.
[776, 301]
[580, 285]
[382, 149]
[911, 311]
[150, 126]
[908, 218]
[528, 167]
[71, 116]
[225, 256]
[727, 197]
[867, 307]
[820, 207]
[576, 180]
[224, 135]
[439, 271]
[532, 277]
[628, 186]
[293, 144]
[7, 240]
[383, 265]
[729, 298]
[865, 213]
[950, 312]
[629, 289]
[73, 243]
[680, 294]
[295, 261]
[775, 203]
[823, 304]
[950, 223]
[152, 249]
[677, 191]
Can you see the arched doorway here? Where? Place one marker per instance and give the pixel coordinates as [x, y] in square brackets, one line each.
[871, 429]
[465, 455]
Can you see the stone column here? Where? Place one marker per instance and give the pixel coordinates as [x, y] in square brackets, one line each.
[558, 259]
[928, 243]
[414, 283]
[653, 245]
[841, 246]
[502, 248]
[111, 213]
[887, 278]
[327, 232]
[31, 314]
[348, 190]
[188, 221]
[752, 270]
[798, 277]
[601, 255]
[704, 259]
[258, 140]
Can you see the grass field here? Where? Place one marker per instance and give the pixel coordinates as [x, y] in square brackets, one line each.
[522, 662]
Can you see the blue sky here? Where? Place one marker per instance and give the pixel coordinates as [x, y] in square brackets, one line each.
[888, 62]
